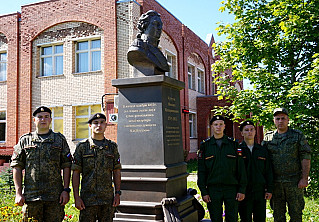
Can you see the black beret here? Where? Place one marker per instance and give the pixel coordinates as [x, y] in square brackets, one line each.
[41, 109]
[97, 116]
[245, 123]
[217, 117]
[280, 110]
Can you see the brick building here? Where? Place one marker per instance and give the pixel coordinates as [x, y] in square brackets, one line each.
[63, 54]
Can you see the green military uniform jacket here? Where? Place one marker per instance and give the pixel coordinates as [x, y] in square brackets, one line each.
[258, 169]
[220, 166]
[96, 164]
[42, 160]
[286, 152]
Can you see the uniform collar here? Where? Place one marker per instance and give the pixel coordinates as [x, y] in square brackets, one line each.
[36, 138]
[92, 144]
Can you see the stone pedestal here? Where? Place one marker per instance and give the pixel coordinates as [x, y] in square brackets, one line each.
[151, 148]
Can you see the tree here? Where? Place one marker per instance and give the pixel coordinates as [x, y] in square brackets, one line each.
[273, 44]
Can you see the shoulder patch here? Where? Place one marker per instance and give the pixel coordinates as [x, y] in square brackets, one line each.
[205, 140]
[239, 152]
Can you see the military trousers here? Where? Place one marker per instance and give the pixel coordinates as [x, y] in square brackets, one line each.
[100, 213]
[219, 195]
[253, 206]
[287, 192]
[43, 211]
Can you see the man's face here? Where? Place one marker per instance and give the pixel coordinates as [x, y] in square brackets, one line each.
[42, 120]
[218, 127]
[248, 132]
[154, 27]
[98, 126]
[281, 121]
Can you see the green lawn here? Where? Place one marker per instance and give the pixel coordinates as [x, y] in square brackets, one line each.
[11, 213]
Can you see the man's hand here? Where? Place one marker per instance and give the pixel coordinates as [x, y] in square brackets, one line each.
[19, 200]
[64, 198]
[79, 203]
[116, 201]
[206, 199]
[268, 196]
[240, 196]
[303, 183]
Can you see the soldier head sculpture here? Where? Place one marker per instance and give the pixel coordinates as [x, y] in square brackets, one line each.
[144, 54]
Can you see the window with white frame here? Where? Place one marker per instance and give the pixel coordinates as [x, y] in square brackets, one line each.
[171, 61]
[3, 123]
[200, 81]
[3, 66]
[191, 74]
[51, 60]
[57, 119]
[192, 125]
[88, 56]
[82, 114]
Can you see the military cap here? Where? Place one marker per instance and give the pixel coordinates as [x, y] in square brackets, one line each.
[97, 116]
[217, 117]
[280, 110]
[246, 123]
[41, 109]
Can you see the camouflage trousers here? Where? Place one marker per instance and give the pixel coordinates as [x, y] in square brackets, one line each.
[46, 211]
[289, 193]
[101, 213]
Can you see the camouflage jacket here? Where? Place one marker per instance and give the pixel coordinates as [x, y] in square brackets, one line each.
[220, 166]
[42, 160]
[286, 152]
[96, 163]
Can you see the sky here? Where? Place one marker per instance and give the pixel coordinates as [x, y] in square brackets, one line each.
[200, 16]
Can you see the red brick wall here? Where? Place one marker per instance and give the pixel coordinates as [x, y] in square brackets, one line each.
[40, 16]
[10, 28]
[186, 43]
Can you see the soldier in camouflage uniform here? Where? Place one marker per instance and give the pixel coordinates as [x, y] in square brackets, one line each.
[42, 154]
[97, 158]
[221, 173]
[259, 175]
[290, 156]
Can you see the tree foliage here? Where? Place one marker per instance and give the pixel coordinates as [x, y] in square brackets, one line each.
[273, 44]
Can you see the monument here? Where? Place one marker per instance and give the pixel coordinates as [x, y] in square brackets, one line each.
[150, 133]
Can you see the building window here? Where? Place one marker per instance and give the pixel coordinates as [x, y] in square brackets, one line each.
[200, 81]
[51, 60]
[88, 56]
[57, 119]
[82, 114]
[171, 61]
[3, 66]
[190, 71]
[3, 126]
[192, 125]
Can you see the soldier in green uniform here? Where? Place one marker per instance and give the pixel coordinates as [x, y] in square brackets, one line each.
[259, 175]
[290, 155]
[42, 154]
[97, 158]
[221, 173]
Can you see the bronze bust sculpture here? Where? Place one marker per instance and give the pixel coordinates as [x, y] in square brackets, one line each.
[144, 53]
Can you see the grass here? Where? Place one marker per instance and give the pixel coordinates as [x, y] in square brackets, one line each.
[11, 213]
